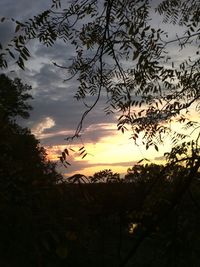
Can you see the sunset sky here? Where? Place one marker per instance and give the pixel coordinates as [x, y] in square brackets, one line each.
[56, 113]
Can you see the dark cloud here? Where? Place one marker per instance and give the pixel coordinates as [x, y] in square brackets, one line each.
[66, 113]
[23, 9]
[20, 10]
[55, 99]
[93, 135]
[47, 78]
[60, 52]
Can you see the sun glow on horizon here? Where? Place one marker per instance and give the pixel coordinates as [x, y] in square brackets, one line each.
[115, 151]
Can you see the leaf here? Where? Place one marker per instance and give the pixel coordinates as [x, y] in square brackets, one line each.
[25, 50]
[23, 56]
[66, 151]
[20, 63]
[156, 147]
[84, 155]
[63, 155]
[17, 27]
[135, 54]
[11, 54]
[82, 152]
[140, 161]
[61, 159]
[147, 28]
[131, 30]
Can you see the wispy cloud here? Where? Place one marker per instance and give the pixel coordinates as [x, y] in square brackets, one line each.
[46, 123]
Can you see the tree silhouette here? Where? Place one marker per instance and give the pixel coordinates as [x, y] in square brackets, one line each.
[27, 179]
[14, 96]
[77, 178]
[137, 172]
[105, 176]
[22, 157]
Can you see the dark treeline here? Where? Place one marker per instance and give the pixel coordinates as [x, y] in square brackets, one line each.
[148, 218]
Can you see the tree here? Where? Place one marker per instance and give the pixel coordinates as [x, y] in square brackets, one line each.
[142, 173]
[77, 178]
[13, 95]
[22, 157]
[28, 184]
[105, 176]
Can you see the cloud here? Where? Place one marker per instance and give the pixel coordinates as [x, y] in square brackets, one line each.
[55, 99]
[60, 52]
[92, 134]
[66, 112]
[39, 128]
[23, 9]
[20, 10]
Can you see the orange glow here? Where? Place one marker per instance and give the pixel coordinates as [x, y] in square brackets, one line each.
[115, 151]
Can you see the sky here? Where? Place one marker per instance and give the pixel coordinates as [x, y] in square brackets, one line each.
[56, 113]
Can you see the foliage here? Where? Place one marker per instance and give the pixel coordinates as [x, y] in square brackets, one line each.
[23, 159]
[13, 97]
[27, 184]
[77, 178]
[138, 173]
[66, 153]
[105, 176]
[21, 154]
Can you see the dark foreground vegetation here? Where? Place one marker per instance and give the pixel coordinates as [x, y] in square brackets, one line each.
[150, 221]
[148, 218]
